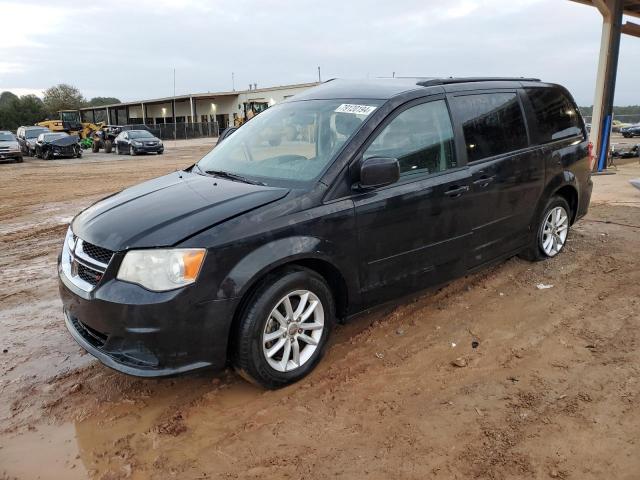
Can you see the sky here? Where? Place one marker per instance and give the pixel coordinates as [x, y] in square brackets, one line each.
[128, 50]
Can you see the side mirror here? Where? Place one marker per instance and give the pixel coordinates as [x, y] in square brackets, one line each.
[378, 172]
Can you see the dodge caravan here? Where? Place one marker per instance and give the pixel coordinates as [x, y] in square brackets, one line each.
[343, 197]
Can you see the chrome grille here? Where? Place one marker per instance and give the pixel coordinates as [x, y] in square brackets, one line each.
[88, 274]
[84, 263]
[97, 253]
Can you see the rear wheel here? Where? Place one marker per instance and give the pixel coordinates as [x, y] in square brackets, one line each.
[108, 146]
[95, 146]
[552, 231]
[284, 328]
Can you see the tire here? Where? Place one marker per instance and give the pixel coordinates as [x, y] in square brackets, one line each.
[47, 155]
[132, 151]
[538, 248]
[250, 350]
[95, 146]
[160, 152]
[108, 146]
[19, 160]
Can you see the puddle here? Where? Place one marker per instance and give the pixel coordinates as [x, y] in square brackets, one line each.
[49, 452]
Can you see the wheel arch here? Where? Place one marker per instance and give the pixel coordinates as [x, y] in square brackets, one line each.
[564, 184]
[332, 274]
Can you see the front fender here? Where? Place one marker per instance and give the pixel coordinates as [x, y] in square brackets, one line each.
[272, 255]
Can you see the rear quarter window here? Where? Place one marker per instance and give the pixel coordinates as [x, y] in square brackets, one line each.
[556, 115]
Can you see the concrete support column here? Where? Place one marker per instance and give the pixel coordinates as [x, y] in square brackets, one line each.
[606, 80]
[108, 116]
[144, 113]
[193, 118]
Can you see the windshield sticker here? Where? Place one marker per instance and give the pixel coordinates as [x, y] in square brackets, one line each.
[356, 109]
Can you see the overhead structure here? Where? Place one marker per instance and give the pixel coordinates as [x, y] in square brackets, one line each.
[612, 12]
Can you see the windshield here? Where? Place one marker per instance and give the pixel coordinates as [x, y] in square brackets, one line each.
[53, 136]
[292, 141]
[7, 137]
[140, 134]
[33, 133]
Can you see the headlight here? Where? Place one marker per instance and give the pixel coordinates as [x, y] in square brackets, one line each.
[162, 269]
[136, 143]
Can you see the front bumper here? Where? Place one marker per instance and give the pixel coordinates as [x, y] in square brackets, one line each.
[148, 148]
[147, 334]
[10, 156]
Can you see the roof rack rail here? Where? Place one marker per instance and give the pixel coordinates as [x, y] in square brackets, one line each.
[449, 80]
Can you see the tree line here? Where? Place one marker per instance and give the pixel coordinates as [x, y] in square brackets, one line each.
[31, 109]
[628, 110]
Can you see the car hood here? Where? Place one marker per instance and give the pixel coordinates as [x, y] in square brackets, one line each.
[166, 210]
[8, 143]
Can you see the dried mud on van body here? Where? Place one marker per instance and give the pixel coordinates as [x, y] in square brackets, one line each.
[551, 389]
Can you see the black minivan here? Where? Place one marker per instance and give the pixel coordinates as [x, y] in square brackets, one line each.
[345, 196]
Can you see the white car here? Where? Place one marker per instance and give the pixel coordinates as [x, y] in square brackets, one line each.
[9, 147]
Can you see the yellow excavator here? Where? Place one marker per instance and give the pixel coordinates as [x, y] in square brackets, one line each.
[69, 121]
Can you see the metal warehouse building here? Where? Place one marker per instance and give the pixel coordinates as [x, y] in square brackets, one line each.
[192, 115]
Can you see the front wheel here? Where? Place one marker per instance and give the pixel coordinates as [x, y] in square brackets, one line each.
[552, 231]
[108, 145]
[132, 151]
[284, 328]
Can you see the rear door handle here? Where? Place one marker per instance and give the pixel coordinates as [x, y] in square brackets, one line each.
[456, 191]
[484, 180]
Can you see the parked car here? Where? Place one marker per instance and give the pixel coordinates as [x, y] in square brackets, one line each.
[27, 137]
[386, 188]
[134, 142]
[9, 147]
[631, 131]
[57, 145]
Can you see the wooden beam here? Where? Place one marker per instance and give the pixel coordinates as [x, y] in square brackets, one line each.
[632, 29]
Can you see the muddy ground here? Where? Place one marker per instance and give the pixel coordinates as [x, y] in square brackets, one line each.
[552, 389]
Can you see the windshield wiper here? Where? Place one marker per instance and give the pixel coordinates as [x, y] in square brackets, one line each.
[232, 176]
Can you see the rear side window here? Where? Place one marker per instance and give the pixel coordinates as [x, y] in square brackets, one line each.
[492, 124]
[421, 138]
[555, 114]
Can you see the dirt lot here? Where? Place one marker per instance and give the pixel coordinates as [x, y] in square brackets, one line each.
[552, 389]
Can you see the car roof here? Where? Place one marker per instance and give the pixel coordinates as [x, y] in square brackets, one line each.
[386, 88]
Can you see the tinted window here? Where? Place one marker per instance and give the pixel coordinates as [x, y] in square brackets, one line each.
[555, 113]
[492, 124]
[421, 138]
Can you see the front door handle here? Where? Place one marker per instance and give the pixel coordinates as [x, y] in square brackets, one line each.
[456, 190]
[484, 180]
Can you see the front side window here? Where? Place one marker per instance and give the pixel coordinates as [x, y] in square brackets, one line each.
[556, 115]
[492, 124]
[420, 138]
[289, 142]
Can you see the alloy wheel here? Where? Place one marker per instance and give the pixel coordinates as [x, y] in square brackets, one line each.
[554, 231]
[293, 330]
